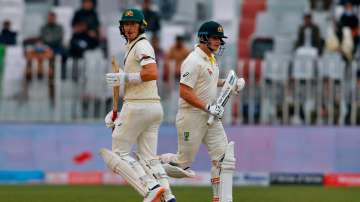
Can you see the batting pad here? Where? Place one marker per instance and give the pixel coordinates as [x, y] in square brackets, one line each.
[126, 168]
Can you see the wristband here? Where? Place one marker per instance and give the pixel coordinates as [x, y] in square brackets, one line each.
[133, 77]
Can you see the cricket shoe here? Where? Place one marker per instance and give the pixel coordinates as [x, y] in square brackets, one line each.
[173, 170]
[154, 194]
[216, 199]
[172, 200]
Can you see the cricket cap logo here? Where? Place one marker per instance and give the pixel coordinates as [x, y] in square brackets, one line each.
[129, 13]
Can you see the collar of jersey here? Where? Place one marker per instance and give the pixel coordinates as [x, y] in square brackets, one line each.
[135, 40]
[203, 54]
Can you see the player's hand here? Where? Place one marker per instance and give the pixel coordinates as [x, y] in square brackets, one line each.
[115, 79]
[109, 120]
[215, 110]
[240, 84]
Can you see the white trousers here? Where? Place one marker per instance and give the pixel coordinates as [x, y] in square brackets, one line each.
[138, 123]
[193, 131]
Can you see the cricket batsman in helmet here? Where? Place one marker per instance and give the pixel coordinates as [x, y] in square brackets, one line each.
[140, 116]
[198, 89]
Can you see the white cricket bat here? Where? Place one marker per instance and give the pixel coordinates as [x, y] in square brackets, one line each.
[225, 94]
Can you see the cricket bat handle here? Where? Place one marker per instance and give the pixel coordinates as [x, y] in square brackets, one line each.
[115, 69]
[210, 120]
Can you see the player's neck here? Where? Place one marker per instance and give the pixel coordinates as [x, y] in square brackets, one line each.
[133, 39]
[206, 50]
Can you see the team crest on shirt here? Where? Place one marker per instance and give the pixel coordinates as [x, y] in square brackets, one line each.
[186, 136]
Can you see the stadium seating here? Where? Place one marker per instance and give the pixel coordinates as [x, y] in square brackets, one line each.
[265, 23]
[14, 14]
[267, 32]
[113, 40]
[304, 67]
[247, 27]
[19, 4]
[64, 16]
[250, 8]
[2, 55]
[243, 49]
[322, 19]
[276, 66]
[331, 66]
[95, 68]
[14, 71]
[249, 11]
[284, 45]
[280, 6]
[260, 46]
[32, 24]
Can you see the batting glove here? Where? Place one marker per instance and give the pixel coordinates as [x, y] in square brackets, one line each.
[240, 84]
[215, 110]
[109, 120]
[115, 79]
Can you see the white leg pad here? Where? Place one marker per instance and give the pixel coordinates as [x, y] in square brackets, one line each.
[126, 167]
[227, 166]
[215, 180]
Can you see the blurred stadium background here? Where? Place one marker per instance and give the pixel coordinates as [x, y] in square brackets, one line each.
[295, 123]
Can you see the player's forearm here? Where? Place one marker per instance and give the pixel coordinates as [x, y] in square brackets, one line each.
[189, 96]
[220, 82]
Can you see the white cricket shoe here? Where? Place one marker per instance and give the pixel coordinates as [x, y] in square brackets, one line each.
[154, 194]
[174, 171]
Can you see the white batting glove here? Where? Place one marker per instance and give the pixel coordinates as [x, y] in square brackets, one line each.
[240, 84]
[115, 79]
[108, 120]
[215, 110]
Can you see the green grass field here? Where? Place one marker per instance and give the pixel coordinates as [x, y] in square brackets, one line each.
[41, 193]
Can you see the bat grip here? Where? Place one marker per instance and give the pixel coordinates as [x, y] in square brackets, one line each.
[210, 120]
[114, 115]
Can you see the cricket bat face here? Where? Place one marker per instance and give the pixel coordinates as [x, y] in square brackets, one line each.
[229, 85]
[225, 93]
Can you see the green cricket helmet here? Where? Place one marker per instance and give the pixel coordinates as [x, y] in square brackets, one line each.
[133, 15]
[211, 29]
